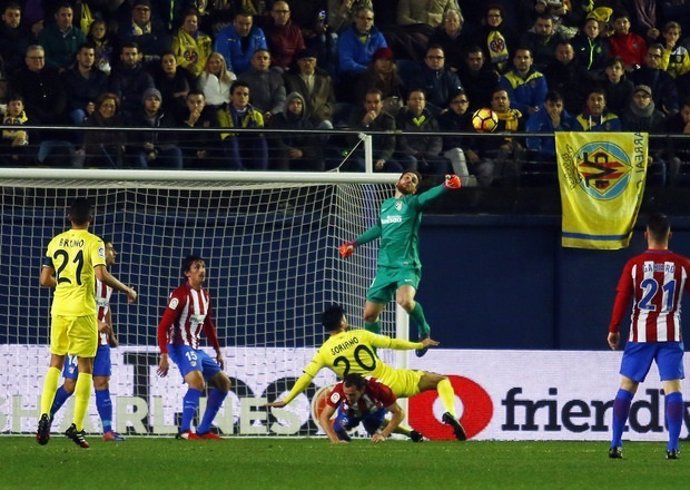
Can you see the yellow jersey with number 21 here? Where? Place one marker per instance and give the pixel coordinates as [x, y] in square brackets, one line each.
[74, 255]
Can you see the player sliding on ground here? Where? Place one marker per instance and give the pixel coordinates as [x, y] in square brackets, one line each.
[399, 269]
[358, 400]
[353, 351]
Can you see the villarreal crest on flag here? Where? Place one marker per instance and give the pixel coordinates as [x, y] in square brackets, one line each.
[602, 179]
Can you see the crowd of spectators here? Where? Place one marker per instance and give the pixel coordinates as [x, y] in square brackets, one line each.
[416, 66]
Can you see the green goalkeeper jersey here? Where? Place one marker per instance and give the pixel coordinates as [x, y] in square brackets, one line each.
[398, 227]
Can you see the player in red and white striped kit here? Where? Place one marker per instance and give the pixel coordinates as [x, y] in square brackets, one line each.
[188, 314]
[360, 400]
[655, 281]
[101, 365]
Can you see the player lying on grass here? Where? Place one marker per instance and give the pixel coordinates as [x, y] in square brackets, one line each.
[353, 351]
[358, 400]
[399, 269]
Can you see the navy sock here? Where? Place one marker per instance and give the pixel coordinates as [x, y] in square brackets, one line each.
[621, 410]
[190, 404]
[61, 396]
[213, 403]
[105, 409]
[674, 418]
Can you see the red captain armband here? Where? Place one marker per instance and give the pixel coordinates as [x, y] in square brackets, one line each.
[346, 249]
[452, 182]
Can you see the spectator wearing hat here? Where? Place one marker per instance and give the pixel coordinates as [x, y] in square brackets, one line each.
[356, 48]
[642, 116]
[152, 149]
[437, 81]
[382, 74]
[662, 84]
[315, 86]
[149, 33]
[283, 36]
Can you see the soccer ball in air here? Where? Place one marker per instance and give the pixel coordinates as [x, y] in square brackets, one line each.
[484, 120]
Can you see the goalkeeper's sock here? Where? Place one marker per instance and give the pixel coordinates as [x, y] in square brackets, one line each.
[447, 396]
[105, 409]
[82, 394]
[50, 385]
[213, 403]
[423, 328]
[674, 418]
[373, 327]
[61, 396]
[621, 410]
[190, 404]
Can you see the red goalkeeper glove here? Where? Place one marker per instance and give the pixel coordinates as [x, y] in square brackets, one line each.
[452, 182]
[346, 249]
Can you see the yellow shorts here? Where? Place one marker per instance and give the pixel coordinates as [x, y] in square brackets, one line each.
[76, 335]
[403, 382]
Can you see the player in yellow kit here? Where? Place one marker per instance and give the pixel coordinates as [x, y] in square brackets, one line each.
[73, 261]
[353, 351]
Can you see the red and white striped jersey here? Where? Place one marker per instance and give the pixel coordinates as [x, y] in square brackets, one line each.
[103, 292]
[187, 314]
[655, 281]
[375, 396]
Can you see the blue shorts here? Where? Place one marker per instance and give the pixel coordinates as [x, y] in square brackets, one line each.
[372, 421]
[638, 357]
[188, 360]
[101, 364]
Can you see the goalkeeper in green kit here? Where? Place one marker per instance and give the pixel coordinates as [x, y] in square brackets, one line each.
[399, 268]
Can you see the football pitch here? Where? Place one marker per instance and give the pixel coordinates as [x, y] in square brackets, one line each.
[316, 464]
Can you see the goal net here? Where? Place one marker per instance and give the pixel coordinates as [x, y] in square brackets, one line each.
[270, 243]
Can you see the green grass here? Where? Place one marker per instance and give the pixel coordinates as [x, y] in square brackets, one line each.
[315, 463]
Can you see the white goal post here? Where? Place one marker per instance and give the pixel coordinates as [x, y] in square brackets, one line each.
[270, 241]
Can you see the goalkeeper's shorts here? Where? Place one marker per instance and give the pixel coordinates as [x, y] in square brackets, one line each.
[388, 280]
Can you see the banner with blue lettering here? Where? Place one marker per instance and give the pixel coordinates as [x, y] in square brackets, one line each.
[602, 180]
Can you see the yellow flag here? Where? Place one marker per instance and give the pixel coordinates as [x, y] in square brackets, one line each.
[602, 179]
